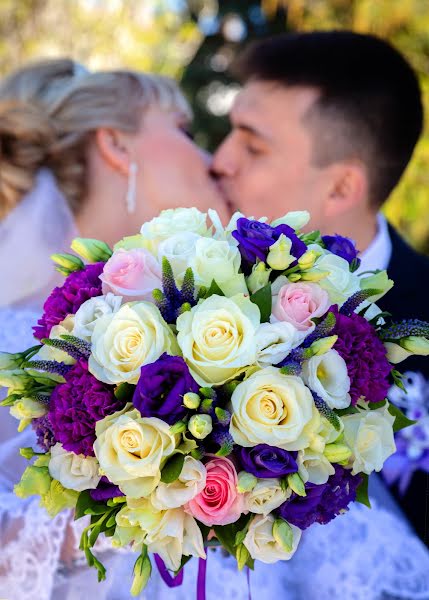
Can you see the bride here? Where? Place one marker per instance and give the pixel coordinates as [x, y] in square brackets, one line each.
[97, 154]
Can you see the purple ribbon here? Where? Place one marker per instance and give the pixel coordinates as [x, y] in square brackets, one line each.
[201, 579]
[167, 578]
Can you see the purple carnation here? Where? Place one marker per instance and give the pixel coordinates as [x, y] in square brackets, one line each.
[77, 405]
[44, 433]
[267, 461]
[161, 387]
[78, 287]
[255, 238]
[105, 490]
[341, 246]
[365, 357]
[322, 502]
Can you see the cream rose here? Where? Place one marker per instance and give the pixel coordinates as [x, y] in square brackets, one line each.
[328, 377]
[132, 449]
[266, 496]
[271, 408]
[92, 310]
[124, 341]
[74, 471]
[369, 434]
[217, 337]
[261, 543]
[190, 482]
[172, 221]
[314, 467]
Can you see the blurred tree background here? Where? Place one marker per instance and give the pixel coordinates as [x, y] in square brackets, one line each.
[196, 40]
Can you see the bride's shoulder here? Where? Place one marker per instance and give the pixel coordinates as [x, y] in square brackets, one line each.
[16, 328]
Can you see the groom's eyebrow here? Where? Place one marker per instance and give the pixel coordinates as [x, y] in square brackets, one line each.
[244, 127]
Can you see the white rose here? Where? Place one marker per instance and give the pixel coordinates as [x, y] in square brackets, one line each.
[314, 467]
[266, 496]
[124, 341]
[340, 283]
[217, 337]
[179, 250]
[328, 377]
[271, 408]
[217, 259]
[92, 310]
[50, 353]
[132, 449]
[191, 482]
[172, 221]
[261, 544]
[369, 434]
[74, 471]
[274, 341]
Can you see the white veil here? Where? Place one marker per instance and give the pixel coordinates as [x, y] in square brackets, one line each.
[40, 225]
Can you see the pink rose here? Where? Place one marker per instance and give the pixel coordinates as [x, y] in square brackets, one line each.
[219, 503]
[299, 303]
[132, 274]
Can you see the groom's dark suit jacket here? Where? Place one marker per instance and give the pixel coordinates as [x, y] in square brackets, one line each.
[409, 299]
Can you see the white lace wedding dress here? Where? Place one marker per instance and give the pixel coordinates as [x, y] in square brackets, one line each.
[363, 555]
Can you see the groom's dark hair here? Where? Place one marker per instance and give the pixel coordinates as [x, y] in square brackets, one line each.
[369, 107]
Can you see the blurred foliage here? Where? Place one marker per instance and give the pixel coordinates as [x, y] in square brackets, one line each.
[197, 40]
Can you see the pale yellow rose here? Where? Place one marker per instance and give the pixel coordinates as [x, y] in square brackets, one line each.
[217, 337]
[124, 341]
[266, 496]
[132, 450]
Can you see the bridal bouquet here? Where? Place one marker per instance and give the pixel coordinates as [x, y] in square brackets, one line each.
[202, 385]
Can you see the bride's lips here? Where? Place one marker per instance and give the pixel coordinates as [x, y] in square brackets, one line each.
[228, 202]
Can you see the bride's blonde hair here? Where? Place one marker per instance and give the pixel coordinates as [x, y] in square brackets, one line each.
[48, 111]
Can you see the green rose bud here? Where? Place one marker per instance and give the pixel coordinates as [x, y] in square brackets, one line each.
[35, 481]
[27, 409]
[68, 262]
[142, 571]
[9, 362]
[200, 426]
[242, 555]
[16, 379]
[258, 278]
[337, 453]
[314, 276]
[294, 277]
[308, 259]
[91, 250]
[323, 345]
[283, 534]
[191, 400]
[178, 427]
[279, 256]
[296, 484]
[246, 482]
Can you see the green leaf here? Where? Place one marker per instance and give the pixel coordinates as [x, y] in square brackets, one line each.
[263, 300]
[375, 405]
[362, 491]
[124, 392]
[225, 534]
[183, 562]
[401, 421]
[397, 379]
[173, 468]
[87, 506]
[313, 237]
[350, 410]
[214, 289]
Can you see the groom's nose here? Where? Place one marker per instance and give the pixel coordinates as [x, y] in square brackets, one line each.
[224, 163]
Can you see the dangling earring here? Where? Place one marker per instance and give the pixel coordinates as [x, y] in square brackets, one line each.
[131, 191]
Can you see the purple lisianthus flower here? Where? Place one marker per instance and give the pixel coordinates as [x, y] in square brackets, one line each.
[365, 357]
[341, 246]
[44, 433]
[161, 387]
[322, 502]
[78, 287]
[105, 490]
[77, 405]
[255, 238]
[266, 461]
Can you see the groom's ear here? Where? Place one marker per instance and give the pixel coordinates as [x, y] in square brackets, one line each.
[112, 147]
[348, 188]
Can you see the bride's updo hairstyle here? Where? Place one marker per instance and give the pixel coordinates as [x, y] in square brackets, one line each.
[50, 109]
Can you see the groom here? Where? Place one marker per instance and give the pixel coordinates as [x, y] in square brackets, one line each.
[328, 121]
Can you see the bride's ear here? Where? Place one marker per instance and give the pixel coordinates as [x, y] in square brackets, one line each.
[111, 145]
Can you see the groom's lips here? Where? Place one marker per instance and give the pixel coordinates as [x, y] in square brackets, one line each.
[228, 202]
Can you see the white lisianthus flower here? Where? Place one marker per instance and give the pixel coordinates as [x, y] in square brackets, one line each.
[132, 449]
[340, 283]
[27, 409]
[172, 221]
[266, 496]
[224, 233]
[328, 377]
[271, 408]
[297, 219]
[217, 259]
[92, 310]
[217, 337]
[124, 341]
[261, 543]
[190, 482]
[314, 467]
[74, 471]
[369, 435]
[48, 352]
[274, 341]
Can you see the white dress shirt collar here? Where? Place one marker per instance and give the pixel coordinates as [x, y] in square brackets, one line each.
[378, 254]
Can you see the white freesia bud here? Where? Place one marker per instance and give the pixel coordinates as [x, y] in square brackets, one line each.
[266, 496]
[327, 375]
[294, 277]
[74, 471]
[191, 400]
[297, 219]
[314, 467]
[264, 546]
[337, 453]
[308, 259]
[259, 277]
[283, 534]
[246, 482]
[314, 277]
[190, 482]
[27, 409]
[279, 256]
[200, 426]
